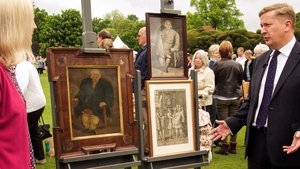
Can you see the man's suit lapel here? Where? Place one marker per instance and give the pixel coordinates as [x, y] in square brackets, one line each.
[292, 61]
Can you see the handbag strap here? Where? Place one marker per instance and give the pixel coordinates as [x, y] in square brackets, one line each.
[42, 119]
[202, 103]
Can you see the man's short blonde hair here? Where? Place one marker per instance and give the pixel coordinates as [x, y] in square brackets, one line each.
[281, 9]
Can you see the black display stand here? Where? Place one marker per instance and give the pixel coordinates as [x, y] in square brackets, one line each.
[186, 160]
[109, 160]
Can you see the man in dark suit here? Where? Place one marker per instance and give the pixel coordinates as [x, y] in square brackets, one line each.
[272, 115]
[141, 64]
[141, 57]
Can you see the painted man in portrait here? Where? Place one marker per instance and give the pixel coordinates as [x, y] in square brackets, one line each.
[94, 101]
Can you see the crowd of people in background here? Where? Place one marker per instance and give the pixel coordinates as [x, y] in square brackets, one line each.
[40, 64]
[223, 82]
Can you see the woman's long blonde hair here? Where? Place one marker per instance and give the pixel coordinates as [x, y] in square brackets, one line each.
[17, 25]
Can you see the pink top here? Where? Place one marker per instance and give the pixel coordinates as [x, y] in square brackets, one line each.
[14, 142]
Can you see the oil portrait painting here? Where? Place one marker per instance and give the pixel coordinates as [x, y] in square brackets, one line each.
[94, 101]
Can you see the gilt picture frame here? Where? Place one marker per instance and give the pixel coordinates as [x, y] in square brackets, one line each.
[170, 117]
[87, 118]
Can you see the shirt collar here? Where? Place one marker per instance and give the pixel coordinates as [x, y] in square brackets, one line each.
[286, 50]
[201, 69]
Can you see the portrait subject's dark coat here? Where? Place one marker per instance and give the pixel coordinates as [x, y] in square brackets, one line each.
[90, 97]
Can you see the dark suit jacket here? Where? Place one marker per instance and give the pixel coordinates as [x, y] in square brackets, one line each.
[284, 112]
[142, 65]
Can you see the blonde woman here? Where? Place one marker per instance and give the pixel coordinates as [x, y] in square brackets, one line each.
[17, 25]
[206, 80]
[214, 55]
[248, 66]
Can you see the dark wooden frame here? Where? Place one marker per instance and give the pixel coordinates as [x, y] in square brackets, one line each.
[155, 25]
[60, 61]
[164, 97]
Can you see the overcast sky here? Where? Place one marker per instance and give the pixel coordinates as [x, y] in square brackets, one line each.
[249, 8]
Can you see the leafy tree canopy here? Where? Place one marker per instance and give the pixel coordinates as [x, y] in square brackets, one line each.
[213, 21]
[220, 14]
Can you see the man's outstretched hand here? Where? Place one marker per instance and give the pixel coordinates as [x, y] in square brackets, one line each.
[220, 132]
[295, 144]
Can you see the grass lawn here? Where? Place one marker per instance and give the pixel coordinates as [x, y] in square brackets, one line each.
[232, 161]
[47, 115]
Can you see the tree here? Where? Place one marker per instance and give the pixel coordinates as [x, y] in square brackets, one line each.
[40, 17]
[238, 37]
[220, 14]
[114, 15]
[71, 28]
[124, 27]
[99, 24]
[65, 29]
[298, 20]
[132, 17]
[61, 30]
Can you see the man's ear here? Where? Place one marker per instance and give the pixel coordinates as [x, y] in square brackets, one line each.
[288, 25]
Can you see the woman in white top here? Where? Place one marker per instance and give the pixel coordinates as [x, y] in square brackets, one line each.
[30, 85]
[206, 80]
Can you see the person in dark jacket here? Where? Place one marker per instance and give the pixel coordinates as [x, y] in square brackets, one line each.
[228, 79]
[248, 66]
[141, 57]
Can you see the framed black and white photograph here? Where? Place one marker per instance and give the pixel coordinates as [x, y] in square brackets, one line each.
[166, 46]
[170, 117]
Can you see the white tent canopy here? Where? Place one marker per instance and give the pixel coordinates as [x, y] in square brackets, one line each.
[118, 43]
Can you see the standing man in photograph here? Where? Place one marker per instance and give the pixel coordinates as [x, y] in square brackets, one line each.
[272, 115]
[171, 43]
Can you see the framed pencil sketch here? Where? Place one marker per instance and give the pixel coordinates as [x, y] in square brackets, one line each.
[91, 97]
[170, 117]
[167, 54]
